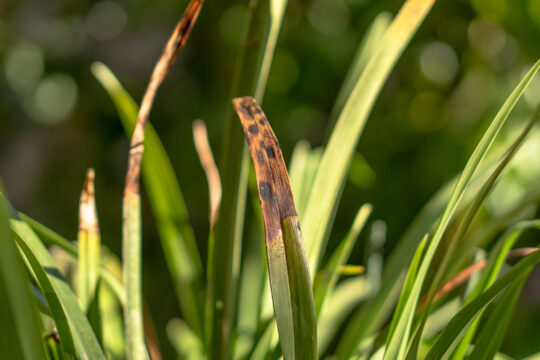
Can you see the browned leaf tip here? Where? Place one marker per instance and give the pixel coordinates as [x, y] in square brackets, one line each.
[176, 41]
[273, 184]
[88, 221]
[200, 137]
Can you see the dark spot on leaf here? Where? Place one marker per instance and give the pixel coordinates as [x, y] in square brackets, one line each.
[254, 129]
[260, 157]
[270, 152]
[262, 120]
[265, 190]
[262, 145]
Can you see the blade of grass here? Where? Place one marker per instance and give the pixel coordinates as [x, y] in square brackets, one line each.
[496, 261]
[167, 203]
[457, 237]
[334, 268]
[290, 279]
[490, 338]
[338, 305]
[250, 75]
[67, 344]
[50, 237]
[367, 48]
[401, 336]
[395, 349]
[466, 315]
[186, 343]
[131, 229]
[88, 245]
[349, 126]
[85, 340]
[21, 336]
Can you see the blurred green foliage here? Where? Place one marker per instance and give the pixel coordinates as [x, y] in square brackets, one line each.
[57, 121]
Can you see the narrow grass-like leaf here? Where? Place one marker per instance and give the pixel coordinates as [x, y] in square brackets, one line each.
[466, 315]
[131, 229]
[20, 337]
[167, 203]
[367, 48]
[464, 225]
[67, 343]
[401, 336]
[250, 76]
[88, 245]
[186, 343]
[287, 265]
[85, 340]
[496, 261]
[490, 338]
[50, 237]
[349, 126]
[330, 275]
[338, 305]
[395, 349]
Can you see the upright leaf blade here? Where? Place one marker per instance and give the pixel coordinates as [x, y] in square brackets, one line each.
[167, 204]
[290, 279]
[349, 126]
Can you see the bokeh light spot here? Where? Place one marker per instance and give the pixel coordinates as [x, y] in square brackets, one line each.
[106, 20]
[23, 67]
[55, 98]
[492, 43]
[439, 62]
[330, 17]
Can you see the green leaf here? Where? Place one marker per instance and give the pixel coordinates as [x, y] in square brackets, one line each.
[88, 245]
[458, 324]
[290, 280]
[251, 72]
[85, 340]
[186, 343]
[330, 275]
[20, 337]
[490, 338]
[405, 320]
[58, 313]
[167, 203]
[340, 149]
[367, 48]
[395, 346]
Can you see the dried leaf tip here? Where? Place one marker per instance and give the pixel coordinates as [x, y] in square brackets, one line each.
[272, 176]
[175, 43]
[200, 137]
[88, 221]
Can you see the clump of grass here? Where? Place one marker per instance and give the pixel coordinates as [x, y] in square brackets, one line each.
[307, 310]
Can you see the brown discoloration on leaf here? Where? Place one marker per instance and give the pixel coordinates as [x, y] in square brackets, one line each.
[172, 48]
[204, 151]
[466, 273]
[88, 222]
[273, 181]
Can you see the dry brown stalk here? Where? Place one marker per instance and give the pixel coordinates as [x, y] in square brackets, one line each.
[200, 137]
[172, 48]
